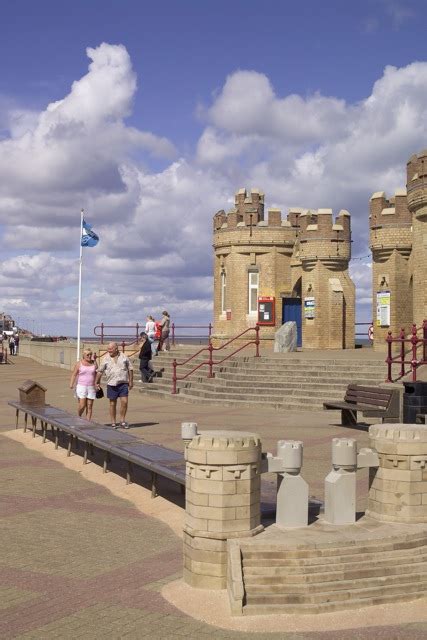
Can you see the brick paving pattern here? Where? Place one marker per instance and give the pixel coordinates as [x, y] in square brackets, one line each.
[79, 562]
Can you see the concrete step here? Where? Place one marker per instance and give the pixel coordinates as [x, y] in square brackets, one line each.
[254, 367]
[404, 585]
[319, 564]
[341, 576]
[322, 553]
[274, 398]
[325, 607]
[276, 390]
[193, 399]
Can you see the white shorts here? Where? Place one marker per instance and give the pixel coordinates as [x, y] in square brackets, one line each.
[82, 391]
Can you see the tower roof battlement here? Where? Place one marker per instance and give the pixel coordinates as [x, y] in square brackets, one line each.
[319, 224]
[389, 212]
[417, 183]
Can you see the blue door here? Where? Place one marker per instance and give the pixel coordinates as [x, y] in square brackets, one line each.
[291, 310]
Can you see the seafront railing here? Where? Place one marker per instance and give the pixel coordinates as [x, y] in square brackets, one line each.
[130, 333]
[414, 356]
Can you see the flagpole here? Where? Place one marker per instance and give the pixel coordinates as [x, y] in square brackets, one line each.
[79, 312]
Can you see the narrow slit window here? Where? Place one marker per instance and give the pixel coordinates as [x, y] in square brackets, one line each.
[223, 291]
[253, 285]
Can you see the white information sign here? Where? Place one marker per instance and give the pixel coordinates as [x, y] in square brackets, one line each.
[383, 308]
[309, 307]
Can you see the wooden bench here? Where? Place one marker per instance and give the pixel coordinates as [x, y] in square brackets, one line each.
[371, 401]
[158, 460]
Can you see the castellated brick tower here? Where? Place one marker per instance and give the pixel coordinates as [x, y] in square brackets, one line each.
[391, 245]
[417, 205]
[275, 258]
[328, 293]
[252, 258]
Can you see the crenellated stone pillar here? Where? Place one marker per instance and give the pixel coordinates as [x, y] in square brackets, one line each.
[398, 488]
[222, 501]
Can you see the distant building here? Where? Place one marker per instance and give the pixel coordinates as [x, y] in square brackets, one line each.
[7, 324]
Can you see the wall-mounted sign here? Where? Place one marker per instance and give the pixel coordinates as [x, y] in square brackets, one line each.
[383, 308]
[266, 310]
[309, 308]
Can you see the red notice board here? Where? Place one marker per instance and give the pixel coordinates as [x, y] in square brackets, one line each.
[267, 310]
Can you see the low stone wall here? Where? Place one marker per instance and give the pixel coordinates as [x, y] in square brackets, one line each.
[61, 354]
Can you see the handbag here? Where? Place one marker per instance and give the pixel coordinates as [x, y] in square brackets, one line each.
[99, 393]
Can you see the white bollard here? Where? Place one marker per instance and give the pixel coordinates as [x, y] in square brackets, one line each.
[188, 431]
[292, 489]
[340, 483]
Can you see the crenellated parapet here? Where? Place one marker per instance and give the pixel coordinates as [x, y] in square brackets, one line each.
[417, 184]
[321, 237]
[246, 223]
[390, 222]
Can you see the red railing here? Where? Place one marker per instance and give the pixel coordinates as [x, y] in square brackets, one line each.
[210, 349]
[190, 326]
[102, 331]
[104, 334]
[415, 342]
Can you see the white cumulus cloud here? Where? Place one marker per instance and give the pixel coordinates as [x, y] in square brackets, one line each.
[155, 224]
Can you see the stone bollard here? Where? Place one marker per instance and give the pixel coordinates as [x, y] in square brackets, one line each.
[398, 488]
[340, 483]
[188, 432]
[222, 501]
[292, 489]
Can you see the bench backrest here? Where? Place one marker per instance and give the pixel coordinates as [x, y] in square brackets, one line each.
[372, 396]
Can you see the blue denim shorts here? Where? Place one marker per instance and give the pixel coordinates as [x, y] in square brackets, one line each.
[118, 391]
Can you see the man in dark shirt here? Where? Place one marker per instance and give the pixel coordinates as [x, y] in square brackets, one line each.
[147, 373]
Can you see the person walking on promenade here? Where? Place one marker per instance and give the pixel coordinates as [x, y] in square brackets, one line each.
[16, 344]
[145, 356]
[84, 374]
[12, 345]
[164, 338]
[119, 373]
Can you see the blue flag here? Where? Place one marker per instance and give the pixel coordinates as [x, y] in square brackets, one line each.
[89, 237]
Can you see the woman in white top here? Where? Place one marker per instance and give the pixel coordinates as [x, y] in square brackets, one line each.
[150, 330]
[84, 374]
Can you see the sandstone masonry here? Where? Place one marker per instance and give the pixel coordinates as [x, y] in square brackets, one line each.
[302, 259]
[398, 238]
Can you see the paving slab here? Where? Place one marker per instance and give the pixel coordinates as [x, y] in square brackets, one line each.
[85, 557]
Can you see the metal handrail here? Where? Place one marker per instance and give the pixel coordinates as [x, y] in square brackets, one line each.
[100, 330]
[415, 342]
[210, 361]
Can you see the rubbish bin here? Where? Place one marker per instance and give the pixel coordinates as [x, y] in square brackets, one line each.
[414, 401]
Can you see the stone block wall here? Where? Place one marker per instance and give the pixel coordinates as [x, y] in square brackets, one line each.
[306, 246]
[398, 488]
[398, 238]
[222, 501]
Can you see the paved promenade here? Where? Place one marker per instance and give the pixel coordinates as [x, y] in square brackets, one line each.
[84, 556]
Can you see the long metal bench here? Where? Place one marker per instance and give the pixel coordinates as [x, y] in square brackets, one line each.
[371, 401]
[159, 460]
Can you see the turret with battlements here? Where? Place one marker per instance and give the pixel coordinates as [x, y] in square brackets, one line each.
[324, 252]
[391, 245]
[398, 239]
[257, 257]
[417, 204]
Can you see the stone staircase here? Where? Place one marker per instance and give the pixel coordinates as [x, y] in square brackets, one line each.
[297, 383]
[317, 580]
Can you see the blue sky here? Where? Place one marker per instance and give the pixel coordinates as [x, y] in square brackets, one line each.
[318, 104]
